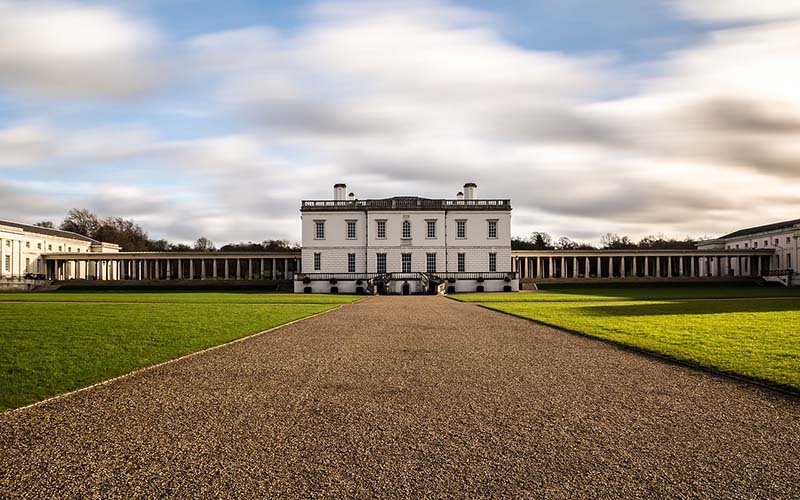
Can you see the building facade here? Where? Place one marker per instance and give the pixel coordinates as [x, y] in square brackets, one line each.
[23, 249]
[462, 239]
[781, 239]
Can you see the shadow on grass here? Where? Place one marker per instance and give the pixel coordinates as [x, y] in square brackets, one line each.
[695, 307]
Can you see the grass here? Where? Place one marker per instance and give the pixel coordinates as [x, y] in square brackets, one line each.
[745, 335]
[630, 293]
[55, 342]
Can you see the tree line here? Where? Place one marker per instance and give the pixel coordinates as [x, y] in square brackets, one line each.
[131, 237]
[609, 241]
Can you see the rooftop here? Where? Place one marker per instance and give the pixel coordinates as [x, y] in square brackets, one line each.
[763, 229]
[403, 203]
[47, 231]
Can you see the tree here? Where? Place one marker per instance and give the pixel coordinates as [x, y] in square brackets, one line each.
[541, 241]
[565, 243]
[81, 221]
[125, 233]
[661, 242]
[46, 223]
[203, 244]
[614, 241]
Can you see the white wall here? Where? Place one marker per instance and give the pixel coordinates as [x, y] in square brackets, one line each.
[477, 245]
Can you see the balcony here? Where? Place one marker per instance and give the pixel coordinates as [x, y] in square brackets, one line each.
[404, 204]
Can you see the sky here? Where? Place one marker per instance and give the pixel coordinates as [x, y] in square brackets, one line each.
[205, 118]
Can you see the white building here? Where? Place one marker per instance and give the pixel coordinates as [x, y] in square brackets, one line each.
[780, 238]
[408, 240]
[23, 246]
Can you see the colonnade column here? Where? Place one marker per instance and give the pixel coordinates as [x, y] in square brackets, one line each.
[622, 266]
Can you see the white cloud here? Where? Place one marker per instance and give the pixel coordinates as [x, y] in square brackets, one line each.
[737, 10]
[68, 49]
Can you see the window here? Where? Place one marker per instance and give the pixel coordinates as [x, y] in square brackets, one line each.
[430, 233]
[317, 261]
[8, 262]
[59, 248]
[27, 244]
[39, 246]
[462, 266]
[8, 243]
[406, 234]
[766, 243]
[351, 230]
[755, 244]
[788, 261]
[380, 262]
[737, 246]
[430, 262]
[319, 233]
[776, 241]
[461, 229]
[351, 263]
[50, 247]
[492, 262]
[492, 233]
[406, 261]
[788, 240]
[27, 264]
[381, 233]
[69, 249]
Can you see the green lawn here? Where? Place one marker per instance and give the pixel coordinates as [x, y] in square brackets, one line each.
[753, 337]
[629, 293]
[51, 343]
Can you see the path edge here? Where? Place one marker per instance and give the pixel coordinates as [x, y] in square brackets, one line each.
[661, 357]
[162, 363]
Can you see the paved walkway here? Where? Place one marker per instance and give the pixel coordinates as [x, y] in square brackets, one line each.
[415, 396]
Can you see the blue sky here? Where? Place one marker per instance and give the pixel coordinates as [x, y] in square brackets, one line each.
[200, 118]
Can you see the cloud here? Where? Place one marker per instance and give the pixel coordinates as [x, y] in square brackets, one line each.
[736, 10]
[68, 49]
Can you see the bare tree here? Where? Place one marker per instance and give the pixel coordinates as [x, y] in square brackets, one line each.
[81, 221]
[203, 244]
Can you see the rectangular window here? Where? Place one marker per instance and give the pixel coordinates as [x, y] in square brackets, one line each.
[319, 233]
[27, 264]
[351, 263]
[492, 262]
[461, 229]
[776, 241]
[737, 246]
[788, 240]
[317, 261]
[69, 249]
[406, 262]
[745, 245]
[380, 262]
[39, 246]
[462, 262]
[27, 244]
[755, 244]
[766, 243]
[492, 233]
[59, 248]
[50, 248]
[351, 230]
[788, 261]
[430, 262]
[406, 233]
[381, 233]
[431, 230]
[8, 262]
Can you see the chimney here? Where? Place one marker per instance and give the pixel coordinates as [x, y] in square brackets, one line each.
[339, 192]
[351, 197]
[460, 196]
[470, 191]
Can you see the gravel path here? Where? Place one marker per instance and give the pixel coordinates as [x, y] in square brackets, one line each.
[409, 397]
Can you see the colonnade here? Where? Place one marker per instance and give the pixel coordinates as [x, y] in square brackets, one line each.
[213, 267]
[598, 265]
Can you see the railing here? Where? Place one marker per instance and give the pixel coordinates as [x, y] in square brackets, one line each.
[779, 272]
[404, 276]
[406, 204]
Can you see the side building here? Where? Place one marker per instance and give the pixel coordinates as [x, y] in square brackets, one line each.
[23, 251]
[406, 244]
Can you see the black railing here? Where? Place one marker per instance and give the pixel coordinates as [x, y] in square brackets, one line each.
[406, 204]
[403, 276]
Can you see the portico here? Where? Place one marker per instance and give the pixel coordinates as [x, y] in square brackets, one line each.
[639, 264]
[155, 266]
